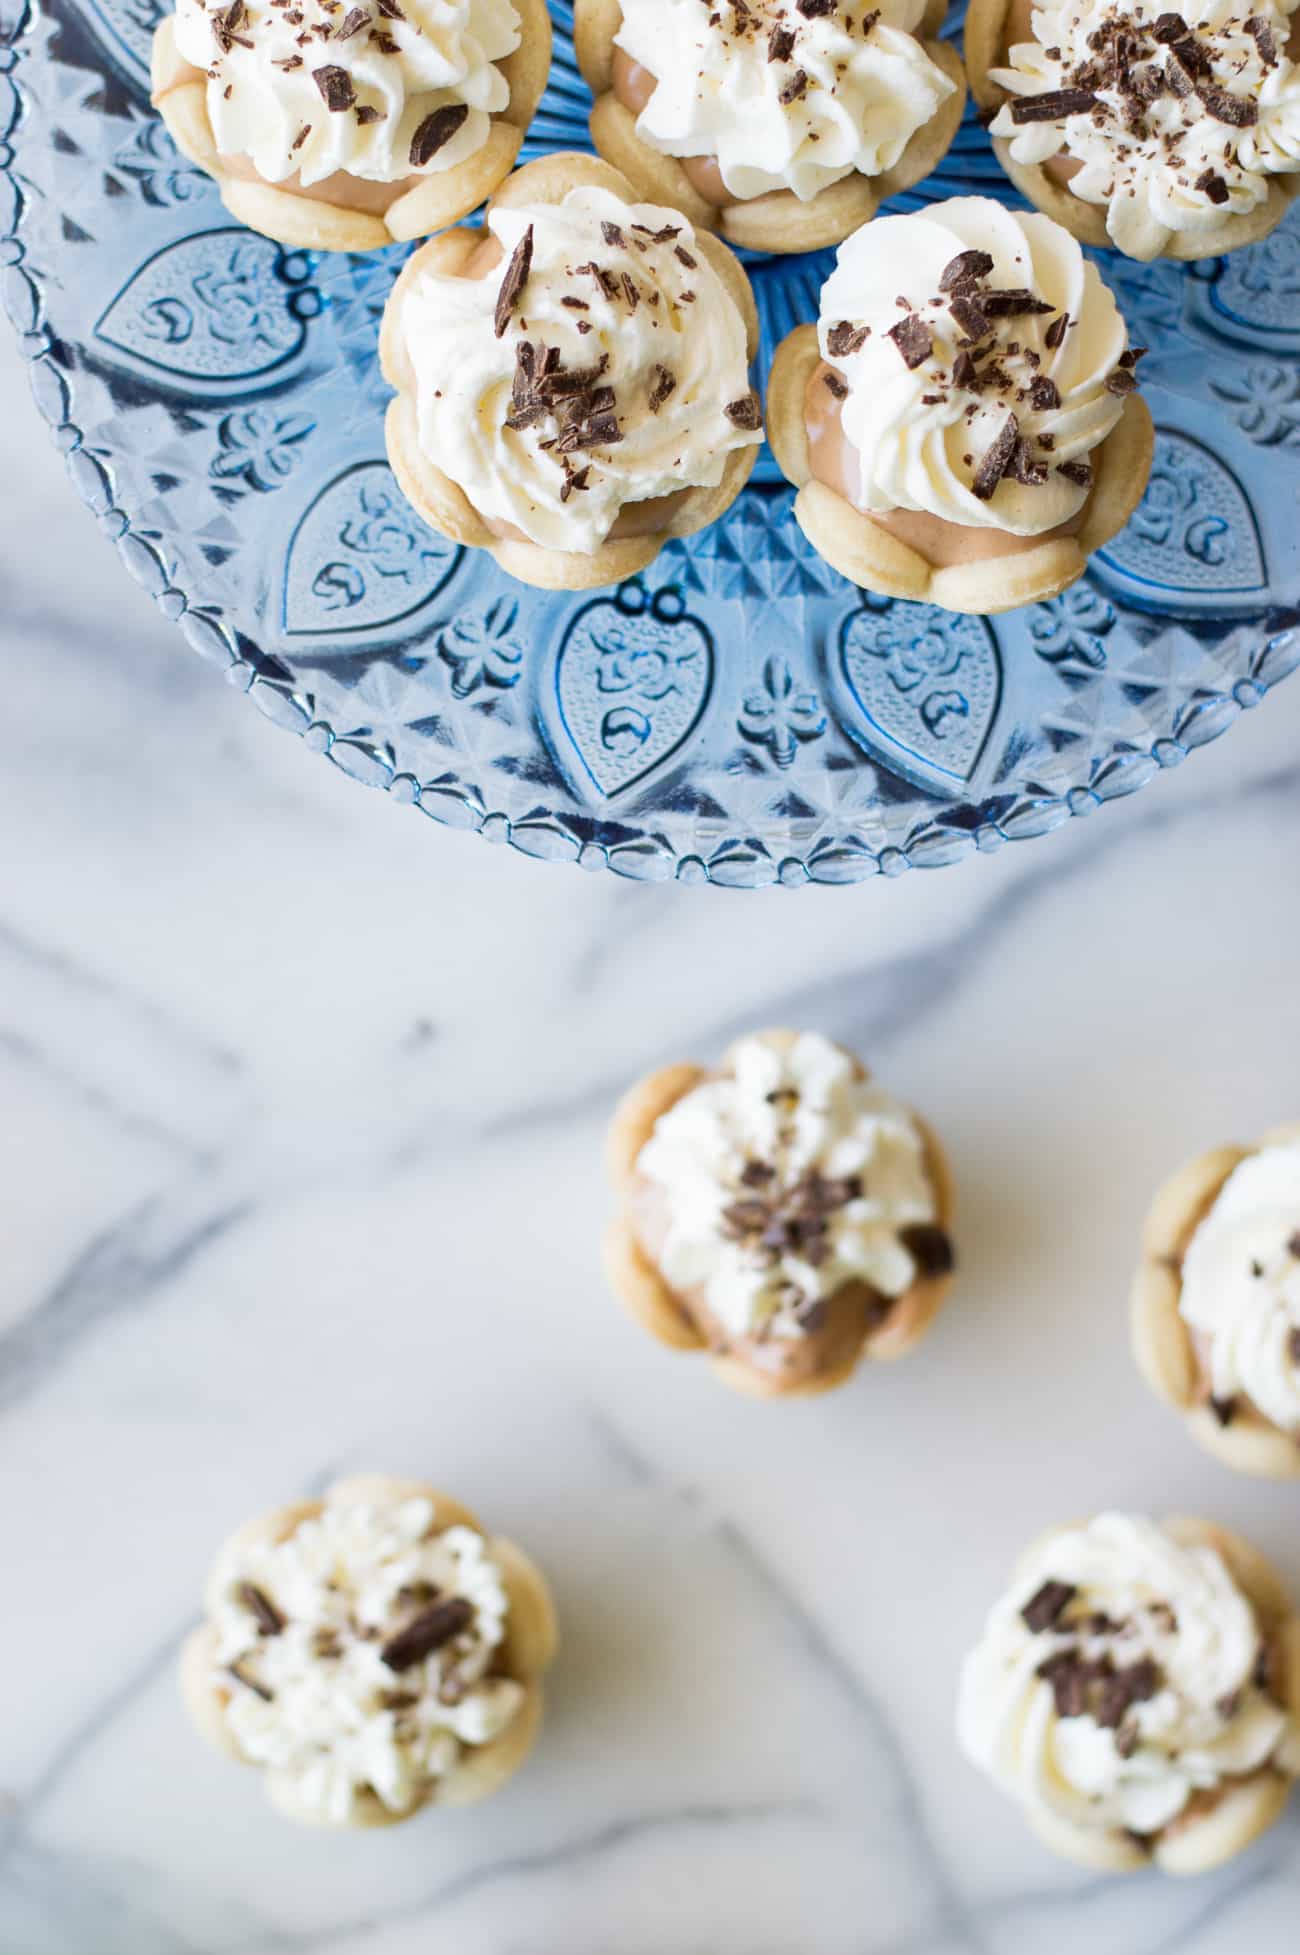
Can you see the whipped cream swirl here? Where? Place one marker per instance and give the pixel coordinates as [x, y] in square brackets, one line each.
[985, 418]
[1241, 1287]
[785, 97]
[619, 373]
[1117, 1678]
[322, 1691]
[783, 1179]
[1174, 120]
[383, 89]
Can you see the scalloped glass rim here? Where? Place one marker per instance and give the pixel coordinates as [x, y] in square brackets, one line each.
[740, 716]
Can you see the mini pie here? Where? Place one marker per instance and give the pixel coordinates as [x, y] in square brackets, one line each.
[781, 123]
[1216, 1302]
[783, 1213]
[1166, 134]
[334, 126]
[962, 423]
[373, 1652]
[573, 380]
[1136, 1691]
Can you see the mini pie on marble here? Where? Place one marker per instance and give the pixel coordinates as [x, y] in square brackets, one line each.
[781, 123]
[1136, 1691]
[342, 125]
[372, 1652]
[1216, 1302]
[573, 380]
[783, 1213]
[1165, 134]
[962, 423]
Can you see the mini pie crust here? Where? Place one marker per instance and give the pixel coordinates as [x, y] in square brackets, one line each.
[643, 1290]
[306, 223]
[1163, 1345]
[985, 49]
[444, 505]
[1205, 1838]
[779, 221]
[877, 561]
[528, 1649]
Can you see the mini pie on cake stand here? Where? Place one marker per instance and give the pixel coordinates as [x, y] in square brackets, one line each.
[804, 1219]
[591, 381]
[1218, 1292]
[1162, 133]
[776, 219]
[1136, 1691]
[986, 372]
[357, 68]
[373, 1652]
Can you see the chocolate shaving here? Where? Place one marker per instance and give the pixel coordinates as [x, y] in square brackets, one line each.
[964, 372]
[837, 386]
[966, 267]
[613, 235]
[913, 338]
[1025, 468]
[794, 88]
[1044, 394]
[974, 323]
[1262, 35]
[516, 277]
[1053, 106]
[241, 1675]
[1047, 1605]
[351, 23]
[427, 1632]
[1013, 303]
[1293, 1345]
[224, 27]
[1237, 111]
[1293, 1246]
[996, 460]
[268, 1618]
[300, 138]
[1224, 1409]
[844, 339]
[335, 85]
[930, 1248]
[663, 384]
[1122, 381]
[745, 412]
[664, 235]
[780, 44]
[1055, 334]
[1169, 27]
[435, 132]
[1080, 473]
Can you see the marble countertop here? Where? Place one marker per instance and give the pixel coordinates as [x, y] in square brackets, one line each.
[303, 1104]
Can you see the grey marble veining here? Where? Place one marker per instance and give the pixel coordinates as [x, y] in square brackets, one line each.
[303, 1102]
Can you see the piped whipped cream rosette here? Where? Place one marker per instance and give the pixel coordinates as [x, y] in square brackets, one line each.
[967, 373]
[371, 1653]
[1163, 132]
[1136, 1691]
[750, 113]
[1216, 1302]
[346, 125]
[784, 1211]
[573, 385]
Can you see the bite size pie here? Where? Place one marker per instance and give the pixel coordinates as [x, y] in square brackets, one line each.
[1167, 134]
[782, 1212]
[371, 1652]
[341, 125]
[572, 380]
[781, 123]
[1136, 1691]
[962, 423]
[1216, 1302]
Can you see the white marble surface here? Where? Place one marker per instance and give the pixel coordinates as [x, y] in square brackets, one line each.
[303, 1103]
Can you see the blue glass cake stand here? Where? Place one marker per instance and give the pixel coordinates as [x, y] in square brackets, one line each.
[739, 713]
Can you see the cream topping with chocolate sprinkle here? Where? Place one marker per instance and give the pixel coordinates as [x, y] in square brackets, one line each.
[1116, 1680]
[784, 1178]
[603, 365]
[383, 89]
[1240, 1291]
[1171, 120]
[358, 1653]
[786, 94]
[984, 361]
